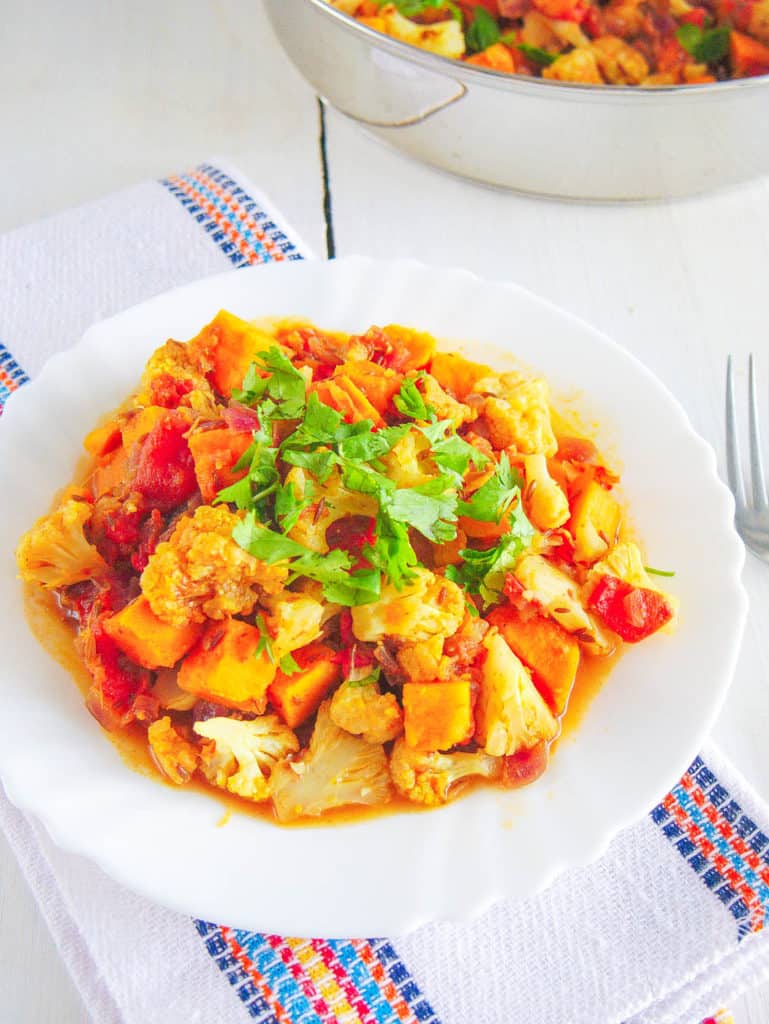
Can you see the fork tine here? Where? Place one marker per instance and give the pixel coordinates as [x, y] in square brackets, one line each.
[732, 448]
[756, 467]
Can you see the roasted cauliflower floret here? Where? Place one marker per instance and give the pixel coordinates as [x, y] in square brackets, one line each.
[406, 463]
[557, 594]
[519, 417]
[337, 769]
[332, 501]
[446, 407]
[174, 756]
[442, 37]
[425, 660]
[510, 714]
[576, 66]
[200, 572]
[430, 778]
[178, 360]
[546, 505]
[426, 606]
[55, 552]
[364, 710]
[296, 620]
[618, 62]
[242, 754]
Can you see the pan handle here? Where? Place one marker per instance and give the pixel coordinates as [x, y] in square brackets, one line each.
[407, 122]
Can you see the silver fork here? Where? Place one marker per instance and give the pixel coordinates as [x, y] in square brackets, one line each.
[751, 516]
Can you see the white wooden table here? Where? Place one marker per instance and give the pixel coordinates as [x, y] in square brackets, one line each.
[95, 97]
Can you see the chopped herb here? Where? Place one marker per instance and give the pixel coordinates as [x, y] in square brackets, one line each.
[483, 31]
[265, 640]
[536, 55]
[416, 8]
[452, 452]
[319, 462]
[361, 586]
[409, 401]
[288, 665]
[707, 46]
[239, 494]
[289, 504]
[657, 572]
[391, 551]
[318, 427]
[493, 499]
[483, 572]
[431, 508]
[371, 444]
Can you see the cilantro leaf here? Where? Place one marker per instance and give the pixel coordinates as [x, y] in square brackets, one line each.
[361, 586]
[483, 31]
[264, 543]
[416, 8]
[431, 508]
[706, 46]
[391, 551]
[254, 387]
[265, 640]
[319, 426]
[239, 494]
[285, 383]
[452, 452]
[289, 504]
[492, 500]
[536, 55]
[409, 401]
[288, 665]
[359, 476]
[372, 444]
[319, 462]
[483, 572]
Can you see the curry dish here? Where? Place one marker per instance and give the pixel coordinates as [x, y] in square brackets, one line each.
[592, 42]
[323, 569]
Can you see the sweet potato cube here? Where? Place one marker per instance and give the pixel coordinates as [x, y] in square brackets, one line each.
[148, 640]
[225, 668]
[594, 523]
[295, 697]
[546, 648]
[214, 453]
[412, 350]
[109, 472]
[230, 344]
[437, 716]
[457, 374]
[346, 397]
[376, 382]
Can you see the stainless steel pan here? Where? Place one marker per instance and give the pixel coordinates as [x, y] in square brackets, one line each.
[532, 135]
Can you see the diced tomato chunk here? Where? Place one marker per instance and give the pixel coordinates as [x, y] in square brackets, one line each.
[165, 472]
[169, 391]
[633, 613]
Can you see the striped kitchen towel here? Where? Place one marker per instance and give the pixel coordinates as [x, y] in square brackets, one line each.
[667, 925]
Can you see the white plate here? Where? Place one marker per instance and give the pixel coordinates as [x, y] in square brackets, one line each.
[386, 875]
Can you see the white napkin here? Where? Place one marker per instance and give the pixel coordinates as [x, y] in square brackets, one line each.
[664, 928]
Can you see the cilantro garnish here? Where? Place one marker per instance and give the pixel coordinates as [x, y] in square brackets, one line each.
[430, 508]
[706, 45]
[658, 572]
[265, 640]
[483, 31]
[391, 551]
[289, 504]
[410, 402]
[415, 8]
[483, 572]
[288, 665]
[331, 570]
[493, 499]
[452, 454]
[283, 388]
[536, 55]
